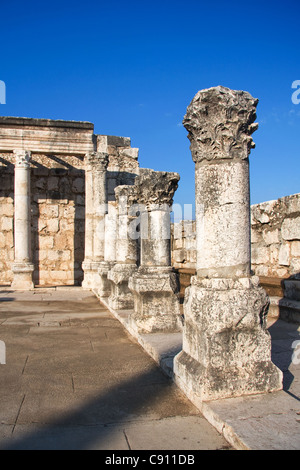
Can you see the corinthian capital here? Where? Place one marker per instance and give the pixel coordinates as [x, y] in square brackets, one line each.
[220, 122]
[156, 187]
[96, 161]
[22, 158]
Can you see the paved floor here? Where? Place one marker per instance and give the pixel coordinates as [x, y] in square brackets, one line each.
[74, 379]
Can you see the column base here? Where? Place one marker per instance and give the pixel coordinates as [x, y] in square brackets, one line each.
[226, 346]
[22, 279]
[121, 297]
[90, 275]
[156, 300]
[104, 289]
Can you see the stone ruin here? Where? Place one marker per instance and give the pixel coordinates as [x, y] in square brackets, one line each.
[78, 209]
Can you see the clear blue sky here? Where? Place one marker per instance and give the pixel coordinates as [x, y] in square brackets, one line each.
[132, 68]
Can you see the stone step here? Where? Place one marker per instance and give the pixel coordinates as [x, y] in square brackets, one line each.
[292, 289]
[273, 285]
[289, 310]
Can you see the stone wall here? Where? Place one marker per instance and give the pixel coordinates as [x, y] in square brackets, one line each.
[275, 239]
[183, 244]
[58, 208]
[6, 219]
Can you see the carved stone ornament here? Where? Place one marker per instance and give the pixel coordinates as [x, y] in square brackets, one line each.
[220, 122]
[97, 160]
[156, 188]
[22, 158]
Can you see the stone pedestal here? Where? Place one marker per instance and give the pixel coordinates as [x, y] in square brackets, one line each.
[22, 267]
[155, 285]
[95, 204]
[156, 300]
[226, 346]
[126, 250]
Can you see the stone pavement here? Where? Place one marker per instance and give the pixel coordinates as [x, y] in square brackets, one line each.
[268, 421]
[74, 379]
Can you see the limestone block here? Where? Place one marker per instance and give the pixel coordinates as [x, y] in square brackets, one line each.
[259, 254]
[255, 235]
[284, 255]
[295, 265]
[226, 346]
[7, 210]
[6, 223]
[78, 185]
[261, 270]
[179, 256]
[156, 301]
[66, 225]
[292, 203]
[274, 253]
[290, 229]
[46, 242]
[2, 240]
[271, 236]
[130, 152]
[49, 211]
[52, 183]
[295, 249]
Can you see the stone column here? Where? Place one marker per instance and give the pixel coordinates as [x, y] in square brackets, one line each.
[226, 346]
[155, 284]
[95, 208]
[22, 267]
[111, 228]
[126, 250]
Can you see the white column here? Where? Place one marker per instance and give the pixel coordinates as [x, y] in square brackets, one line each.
[22, 267]
[155, 285]
[111, 226]
[95, 203]
[226, 346]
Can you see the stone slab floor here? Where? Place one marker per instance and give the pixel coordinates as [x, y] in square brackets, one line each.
[74, 379]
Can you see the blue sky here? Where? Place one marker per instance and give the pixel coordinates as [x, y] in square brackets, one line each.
[132, 68]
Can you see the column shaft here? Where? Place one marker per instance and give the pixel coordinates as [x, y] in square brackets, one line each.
[22, 267]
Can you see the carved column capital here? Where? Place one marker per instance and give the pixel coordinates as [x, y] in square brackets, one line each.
[96, 161]
[22, 158]
[220, 122]
[156, 188]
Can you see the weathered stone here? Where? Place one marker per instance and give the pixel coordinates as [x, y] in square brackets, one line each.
[284, 255]
[226, 347]
[22, 267]
[291, 229]
[155, 286]
[126, 250]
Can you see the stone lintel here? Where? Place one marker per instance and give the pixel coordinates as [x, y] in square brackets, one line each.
[46, 136]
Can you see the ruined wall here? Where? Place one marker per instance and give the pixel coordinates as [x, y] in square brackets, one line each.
[275, 239]
[6, 218]
[58, 209]
[183, 244]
